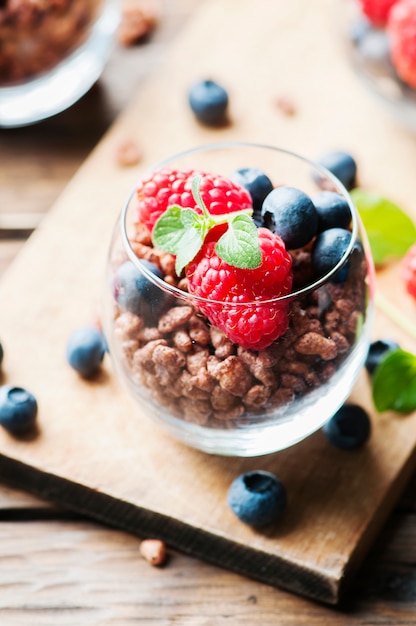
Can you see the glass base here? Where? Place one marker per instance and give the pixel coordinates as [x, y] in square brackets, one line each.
[285, 428]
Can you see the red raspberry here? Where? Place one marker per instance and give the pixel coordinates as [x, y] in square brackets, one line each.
[166, 187]
[402, 30]
[409, 270]
[377, 11]
[258, 324]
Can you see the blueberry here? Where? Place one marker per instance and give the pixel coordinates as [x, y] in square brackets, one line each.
[375, 51]
[1, 354]
[258, 186]
[377, 351]
[290, 213]
[348, 428]
[257, 498]
[328, 249]
[352, 267]
[209, 102]
[342, 165]
[85, 350]
[18, 409]
[333, 210]
[137, 294]
[359, 29]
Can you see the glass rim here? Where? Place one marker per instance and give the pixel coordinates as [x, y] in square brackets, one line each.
[292, 295]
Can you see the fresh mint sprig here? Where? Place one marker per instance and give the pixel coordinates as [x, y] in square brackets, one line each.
[394, 382]
[182, 231]
[390, 230]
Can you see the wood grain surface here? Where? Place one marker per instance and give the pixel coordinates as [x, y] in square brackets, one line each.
[65, 571]
[67, 213]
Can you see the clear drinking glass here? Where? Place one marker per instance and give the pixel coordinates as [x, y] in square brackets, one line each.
[51, 53]
[199, 385]
[369, 52]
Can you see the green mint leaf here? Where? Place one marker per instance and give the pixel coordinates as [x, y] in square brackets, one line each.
[172, 226]
[180, 232]
[394, 383]
[239, 245]
[196, 192]
[390, 230]
[191, 244]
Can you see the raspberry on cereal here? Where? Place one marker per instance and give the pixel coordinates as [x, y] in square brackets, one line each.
[167, 187]
[253, 326]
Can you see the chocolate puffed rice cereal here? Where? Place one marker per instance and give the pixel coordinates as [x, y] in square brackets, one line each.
[191, 367]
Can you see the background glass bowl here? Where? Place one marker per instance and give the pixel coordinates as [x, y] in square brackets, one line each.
[255, 402]
[368, 50]
[50, 56]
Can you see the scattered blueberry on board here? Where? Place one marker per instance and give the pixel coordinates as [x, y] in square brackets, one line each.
[209, 102]
[349, 428]
[377, 351]
[342, 165]
[258, 186]
[375, 49]
[18, 409]
[290, 213]
[359, 29]
[85, 350]
[257, 498]
[135, 293]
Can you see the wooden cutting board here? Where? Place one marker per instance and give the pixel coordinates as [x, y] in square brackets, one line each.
[94, 452]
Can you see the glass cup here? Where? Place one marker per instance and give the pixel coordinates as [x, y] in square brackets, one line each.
[51, 54]
[368, 49]
[181, 362]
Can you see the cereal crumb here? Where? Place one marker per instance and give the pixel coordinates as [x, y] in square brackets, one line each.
[138, 19]
[315, 344]
[153, 551]
[128, 153]
[285, 105]
[175, 318]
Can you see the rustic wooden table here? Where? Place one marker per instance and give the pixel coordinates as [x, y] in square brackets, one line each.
[60, 569]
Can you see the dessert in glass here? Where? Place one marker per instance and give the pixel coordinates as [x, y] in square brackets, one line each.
[51, 53]
[380, 43]
[238, 297]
